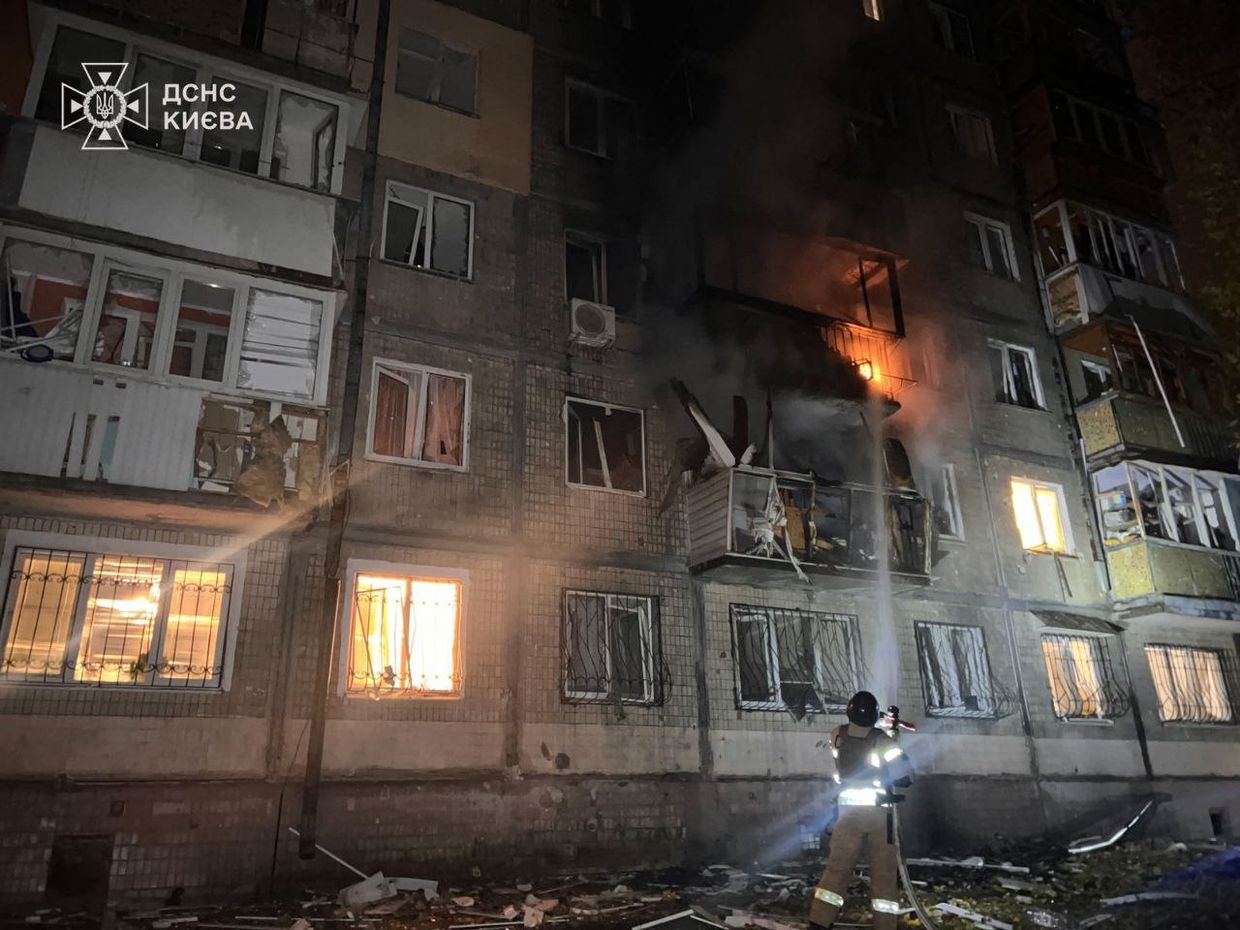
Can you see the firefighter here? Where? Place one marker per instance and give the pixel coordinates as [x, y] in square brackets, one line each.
[868, 764]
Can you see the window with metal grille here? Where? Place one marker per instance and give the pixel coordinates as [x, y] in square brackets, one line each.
[111, 619]
[611, 648]
[796, 660]
[955, 672]
[404, 636]
[1083, 680]
[1193, 685]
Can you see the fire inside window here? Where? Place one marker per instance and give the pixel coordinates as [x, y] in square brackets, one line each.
[405, 635]
[1038, 509]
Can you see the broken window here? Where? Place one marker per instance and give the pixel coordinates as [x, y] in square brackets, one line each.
[951, 29]
[991, 246]
[200, 345]
[1116, 506]
[428, 69]
[1097, 376]
[43, 300]
[946, 500]
[238, 148]
[955, 671]
[1193, 685]
[606, 446]
[1014, 373]
[125, 334]
[585, 268]
[95, 618]
[972, 133]
[280, 346]
[1039, 510]
[71, 48]
[404, 637]
[157, 73]
[428, 230]
[1052, 242]
[418, 415]
[798, 660]
[610, 648]
[596, 121]
[1083, 682]
[304, 150]
[240, 447]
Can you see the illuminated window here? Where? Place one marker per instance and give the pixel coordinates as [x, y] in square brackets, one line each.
[1014, 373]
[1192, 684]
[972, 133]
[990, 243]
[418, 415]
[610, 648]
[1039, 510]
[88, 618]
[605, 446]
[1082, 680]
[404, 633]
[873, 8]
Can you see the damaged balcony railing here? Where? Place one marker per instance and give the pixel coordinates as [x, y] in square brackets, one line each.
[258, 450]
[747, 514]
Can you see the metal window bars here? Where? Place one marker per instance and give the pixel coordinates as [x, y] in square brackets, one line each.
[83, 618]
[1084, 682]
[610, 652]
[956, 680]
[795, 660]
[1194, 685]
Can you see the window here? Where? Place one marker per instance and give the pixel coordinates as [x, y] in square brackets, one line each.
[428, 230]
[872, 9]
[946, 499]
[1193, 685]
[203, 318]
[951, 29]
[585, 268]
[1082, 680]
[796, 660]
[298, 146]
[606, 446]
[94, 616]
[44, 298]
[610, 648]
[404, 631]
[1097, 128]
[1097, 376]
[972, 133]
[1013, 371]
[1162, 502]
[125, 334]
[955, 671]
[991, 246]
[429, 70]
[1039, 510]
[418, 415]
[280, 345]
[596, 121]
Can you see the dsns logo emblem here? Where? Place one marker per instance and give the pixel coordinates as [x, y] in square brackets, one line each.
[104, 106]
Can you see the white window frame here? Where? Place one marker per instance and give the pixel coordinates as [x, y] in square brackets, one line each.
[234, 555]
[437, 80]
[1061, 502]
[648, 655]
[1076, 104]
[353, 568]
[942, 14]
[588, 239]
[427, 222]
[1224, 680]
[573, 399]
[44, 22]
[948, 478]
[976, 632]
[774, 678]
[981, 226]
[1009, 384]
[1101, 370]
[1191, 475]
[1156, 275]
[418, 415]
[955, 112]
[601, 96]
[174, 272]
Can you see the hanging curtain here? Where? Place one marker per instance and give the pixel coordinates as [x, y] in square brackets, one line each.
[445, 418]
[391, 416]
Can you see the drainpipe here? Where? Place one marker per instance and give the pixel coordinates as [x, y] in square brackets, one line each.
[344, 448]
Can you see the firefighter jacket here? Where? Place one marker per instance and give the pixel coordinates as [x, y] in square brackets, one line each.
[868, 765]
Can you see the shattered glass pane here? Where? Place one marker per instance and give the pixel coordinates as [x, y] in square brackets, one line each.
[126, 332]
[43, 299]
[280, 348]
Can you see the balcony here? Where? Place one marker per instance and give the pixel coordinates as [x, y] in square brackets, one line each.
[1122, 425]
[1154, 567]
[1081, 292]
[745, 523]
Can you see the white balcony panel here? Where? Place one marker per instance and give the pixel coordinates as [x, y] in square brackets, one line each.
[179, 201]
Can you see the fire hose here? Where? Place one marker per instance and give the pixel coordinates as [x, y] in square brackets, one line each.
[892, 718]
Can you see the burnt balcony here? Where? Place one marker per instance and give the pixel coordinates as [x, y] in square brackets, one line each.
[745, 523]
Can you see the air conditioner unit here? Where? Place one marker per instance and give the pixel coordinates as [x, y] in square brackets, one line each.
[591, 324]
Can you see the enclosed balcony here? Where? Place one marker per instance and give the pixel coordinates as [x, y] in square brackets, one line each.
[747, 523]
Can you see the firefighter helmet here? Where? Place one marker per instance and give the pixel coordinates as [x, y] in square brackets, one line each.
[863, 709]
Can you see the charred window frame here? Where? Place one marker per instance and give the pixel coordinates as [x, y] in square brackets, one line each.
[611, 649]
[1014, 371]
[1194, 684]
[597, 121]
[992, 247]
[419, 415]
[952, 30]
[84, 612]
[795, 660]
[604, 446]
[948, 519]
[956, 678]
[1083, 680]
[973, 133]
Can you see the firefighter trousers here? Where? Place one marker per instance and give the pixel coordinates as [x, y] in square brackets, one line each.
[859, 831]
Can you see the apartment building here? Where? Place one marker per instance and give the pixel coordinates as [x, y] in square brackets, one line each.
[705, 377]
